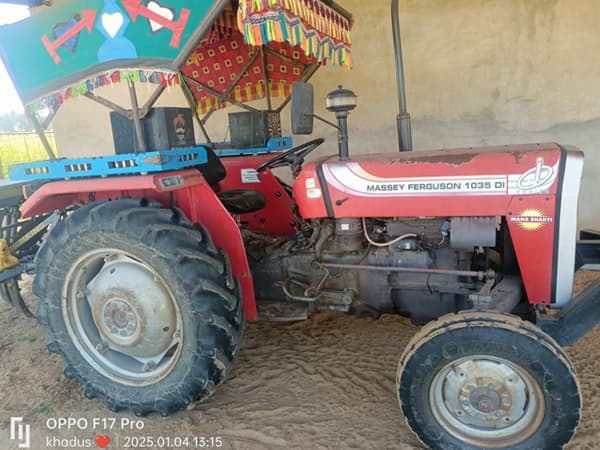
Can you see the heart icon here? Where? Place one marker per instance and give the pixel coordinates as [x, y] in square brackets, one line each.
[167, 13]
[102, 441]
[112, 23]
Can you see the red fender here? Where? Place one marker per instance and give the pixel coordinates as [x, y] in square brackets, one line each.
[185, 189]
[201, 205]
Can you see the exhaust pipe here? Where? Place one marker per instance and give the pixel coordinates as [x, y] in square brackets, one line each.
[403, 118]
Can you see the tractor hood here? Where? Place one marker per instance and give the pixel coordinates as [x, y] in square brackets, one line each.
[74, 46]
[461, 182]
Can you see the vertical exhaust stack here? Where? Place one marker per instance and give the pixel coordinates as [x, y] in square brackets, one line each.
[341, 102]
[403, 118]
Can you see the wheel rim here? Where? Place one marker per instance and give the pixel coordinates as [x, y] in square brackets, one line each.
[122, 317]
[487, 401]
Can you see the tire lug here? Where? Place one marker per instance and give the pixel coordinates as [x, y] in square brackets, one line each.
[103, 325]
[52, 347]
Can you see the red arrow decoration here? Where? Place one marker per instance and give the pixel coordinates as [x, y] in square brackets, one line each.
[135, 8]
[88, 17]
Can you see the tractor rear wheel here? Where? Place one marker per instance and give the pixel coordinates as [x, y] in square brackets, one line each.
[486, 380]
[140, 305]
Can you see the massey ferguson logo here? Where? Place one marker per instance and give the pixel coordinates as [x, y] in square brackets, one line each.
[536, 180]
[531, 220]
[541, 176]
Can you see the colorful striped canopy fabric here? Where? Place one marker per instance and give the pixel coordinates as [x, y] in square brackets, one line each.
[78, 46]
[318, 29]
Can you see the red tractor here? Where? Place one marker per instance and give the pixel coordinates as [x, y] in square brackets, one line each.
[145, 280]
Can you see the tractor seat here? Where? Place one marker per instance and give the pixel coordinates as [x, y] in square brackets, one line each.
[236, 201]
[242, 201]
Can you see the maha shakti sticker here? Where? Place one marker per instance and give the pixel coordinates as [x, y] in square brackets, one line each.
[531, 220]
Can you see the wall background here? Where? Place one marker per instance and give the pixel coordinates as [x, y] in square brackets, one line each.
[478, 73]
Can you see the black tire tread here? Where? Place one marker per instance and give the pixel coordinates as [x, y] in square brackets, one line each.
[202, 272]
[505, 321]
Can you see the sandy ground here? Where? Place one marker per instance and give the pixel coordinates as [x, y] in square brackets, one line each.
[324, 383]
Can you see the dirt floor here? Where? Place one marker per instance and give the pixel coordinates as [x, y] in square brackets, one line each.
[324, 383]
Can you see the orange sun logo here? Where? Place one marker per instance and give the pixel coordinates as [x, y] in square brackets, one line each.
[532, 219]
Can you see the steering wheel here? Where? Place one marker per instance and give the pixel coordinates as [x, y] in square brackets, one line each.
[294, 157]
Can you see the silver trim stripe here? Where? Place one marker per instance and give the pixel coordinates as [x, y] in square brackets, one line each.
[568, 229]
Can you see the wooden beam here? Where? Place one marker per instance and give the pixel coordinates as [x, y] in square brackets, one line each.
[234, 83]
[137, 121]
[263, 57]
[46, 123]
[152, 100]
[189, 96]
[110, 105]
[217, 94]
[42, 135]
[284, 57]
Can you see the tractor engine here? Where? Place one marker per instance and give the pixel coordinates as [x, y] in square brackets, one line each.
[420, 267]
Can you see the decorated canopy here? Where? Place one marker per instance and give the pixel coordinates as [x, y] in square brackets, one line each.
[221, 51]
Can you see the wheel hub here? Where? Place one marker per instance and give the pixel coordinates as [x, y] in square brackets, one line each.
[123, 317]
[485, 400]
[484, 396]
[120, 318]
[131, 309]
[480, 394]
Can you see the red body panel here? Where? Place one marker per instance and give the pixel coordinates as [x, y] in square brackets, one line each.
[534, 244]
[518, 183]
[418, 177]
[60, 194]
[277, 217]
[186, 190]
[521, 184]
[201, 205]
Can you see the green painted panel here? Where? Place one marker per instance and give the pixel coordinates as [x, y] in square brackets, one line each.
[75, 40]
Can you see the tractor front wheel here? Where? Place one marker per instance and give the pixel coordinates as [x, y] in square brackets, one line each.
[140, 305]
[485, 380]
